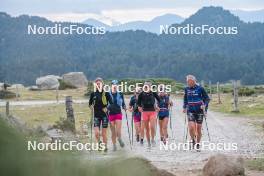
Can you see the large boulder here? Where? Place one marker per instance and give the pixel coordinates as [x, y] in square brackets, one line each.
[19, 86]
[223, 165]
[49, 82]
[76, 79]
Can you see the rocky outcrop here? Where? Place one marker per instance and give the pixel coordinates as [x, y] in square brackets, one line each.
[49, 82]
[76, 79]
[223, 165]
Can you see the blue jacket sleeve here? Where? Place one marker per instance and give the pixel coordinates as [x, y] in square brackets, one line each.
[205, 98]
[185, 100]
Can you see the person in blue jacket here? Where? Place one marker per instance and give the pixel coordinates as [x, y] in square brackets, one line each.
[195, 104]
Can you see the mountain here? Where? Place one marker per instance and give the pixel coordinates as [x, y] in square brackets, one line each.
[134, 54]
[94, 22]
[213, 16]
[148, 26]
[250, 16]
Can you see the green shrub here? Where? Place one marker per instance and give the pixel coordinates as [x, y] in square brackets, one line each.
[5, 94]
[245, 91]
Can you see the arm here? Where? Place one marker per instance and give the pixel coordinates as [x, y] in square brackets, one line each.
[156, 96]
[91, 99]
[185, 100]
[123, 101]
[139, 102]
[205, 98]
[108, 98]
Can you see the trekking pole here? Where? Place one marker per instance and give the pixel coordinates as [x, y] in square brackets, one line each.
[132, 126]
[187, 130]
[128, 131]
[205, 118]
[171, 122]
[91, 132]
[184, 128]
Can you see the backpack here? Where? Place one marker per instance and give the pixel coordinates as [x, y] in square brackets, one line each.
[118, 98]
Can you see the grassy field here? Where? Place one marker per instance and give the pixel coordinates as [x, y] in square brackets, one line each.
[252, 106]
[25, 94]
[34, 116]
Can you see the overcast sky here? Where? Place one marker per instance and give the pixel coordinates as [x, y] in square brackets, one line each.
[119, 10]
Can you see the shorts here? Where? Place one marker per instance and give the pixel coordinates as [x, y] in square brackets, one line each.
[115, 117]
[163, 114]
[195, 117]
[162, 117]
[137, 117]
[148, 115]
[98, 121]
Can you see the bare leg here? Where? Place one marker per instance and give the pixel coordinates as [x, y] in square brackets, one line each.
[153, 127]
[104, 135]
[199, 132]
[161, 131]
[97, 134]
[113, 131]
[146, 125]
[118, 128]
[165, 127]
[192, 130]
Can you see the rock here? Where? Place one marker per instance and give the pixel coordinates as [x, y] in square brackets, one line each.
[49, 82]
[76, 79]
[1, 86]
[19, 86]
[223, 165]
[33, 88]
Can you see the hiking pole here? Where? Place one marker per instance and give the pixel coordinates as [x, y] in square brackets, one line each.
[187, 130]
[128, 131]
[132, 126]
[184, 128]
[205, 118]
[171, 122]
[92, 124]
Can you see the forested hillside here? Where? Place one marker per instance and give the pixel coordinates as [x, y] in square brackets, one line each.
[136, 54]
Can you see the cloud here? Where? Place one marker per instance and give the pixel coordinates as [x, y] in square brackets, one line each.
[120, 10]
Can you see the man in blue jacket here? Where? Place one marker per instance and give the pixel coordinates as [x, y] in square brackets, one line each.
[195, 105]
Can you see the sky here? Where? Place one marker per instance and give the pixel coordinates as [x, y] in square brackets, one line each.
[117, 10]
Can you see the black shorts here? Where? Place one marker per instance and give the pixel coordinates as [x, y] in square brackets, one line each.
[98, 121]
[195, 117]
[163, 117]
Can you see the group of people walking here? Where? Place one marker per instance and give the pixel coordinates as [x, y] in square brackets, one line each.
[146, 107]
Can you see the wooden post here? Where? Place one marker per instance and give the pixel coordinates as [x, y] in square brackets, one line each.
[17, 93]
[57, 94]
[7, 108]
[235, 95]
[210, 89]
[69, 109]
[202, 83]
[218, 93]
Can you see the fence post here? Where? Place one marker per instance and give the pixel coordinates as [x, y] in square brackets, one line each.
[210, 89]
[17, 93]
[235, 95]
[69, 109]
[57, 95]
[218, 93]
[7, 108]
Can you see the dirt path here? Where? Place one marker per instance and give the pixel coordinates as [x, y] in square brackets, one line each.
[222, 129]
